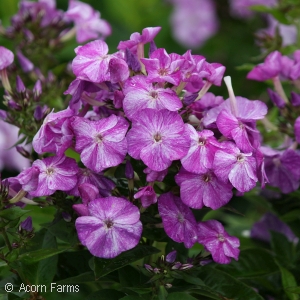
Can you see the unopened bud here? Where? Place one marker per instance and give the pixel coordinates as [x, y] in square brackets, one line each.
[129, 173]
[37, 90]
[24, 62]
[132, 61]
[20, 85]
[152, 48]
[22, 151]
[27, 224]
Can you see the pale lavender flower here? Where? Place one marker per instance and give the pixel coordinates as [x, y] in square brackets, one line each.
[158, 138]
[88, 24]
[92, 61]
[56, 173]
[178, 220]
[216, 240]
[297, 129]
[112, 227]
[202, 150]
[239, 168]
[101, 144]
[163, 67]
[145, 95]
[197, 190]
[193, 21]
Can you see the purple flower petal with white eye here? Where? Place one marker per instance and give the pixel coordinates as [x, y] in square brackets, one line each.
[157, 138]
[161, 67]
[216, 240]
[112, 227]
[6, 57]
[198, 190]
[56, 173]
[178, 220]
[239, 168]
[202, 150]
[92, 61]
[145, 95]
[101, 144]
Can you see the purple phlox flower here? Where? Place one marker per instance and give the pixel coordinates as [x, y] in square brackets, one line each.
[145, 95]
[6, 57]
[88, 24]
[202, 150]
[193, 21]
[197, 190]
[240, 168]
[269, 69]
[163, 67]
[92, 61]
[282, 168]
[28, 179]
[112, 227]
[54, 135]
[276, 99]
[147, 196]
[88, 192]
[213, 72]
[155, 175]
[87, 176]
[101, 144]
[171, 256]
[270, 222]
[118, 70]
[178, 220]
[291, 67]
[27, 224]
[137, 41]
[9, 156]
[295, 99]
[214, 238]
[158, 138]
[24, 62]
[56, 173]
[191, 68]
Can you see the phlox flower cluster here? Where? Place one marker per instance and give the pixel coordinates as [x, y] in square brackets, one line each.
[156, 111]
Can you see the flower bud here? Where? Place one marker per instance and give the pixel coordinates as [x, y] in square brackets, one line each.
[132, 61]
[27, 224]
[20, 85]
[24, 62]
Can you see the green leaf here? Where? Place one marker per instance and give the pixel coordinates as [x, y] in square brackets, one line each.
[82, 278]
[245, 67]
[180, 296]
[283, 249]
[130, 297]
[260, 8]
[288, 281]
[252, 262]
[131, 277]
[63, 230]
[105, 266]
[227, 285]
[295, 290]
[13, 213]
[105, 294]
[35, 256]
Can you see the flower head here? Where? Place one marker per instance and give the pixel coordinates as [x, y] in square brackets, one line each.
[112, 227]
